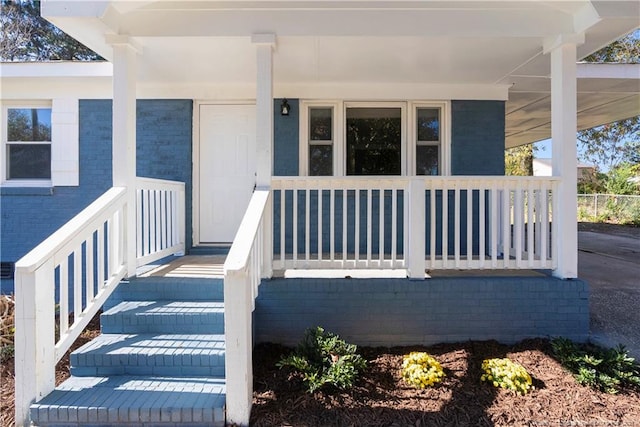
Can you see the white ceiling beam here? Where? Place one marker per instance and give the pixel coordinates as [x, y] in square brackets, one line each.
[422, 23]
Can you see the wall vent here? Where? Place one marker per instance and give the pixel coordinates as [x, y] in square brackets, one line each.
[6, 270]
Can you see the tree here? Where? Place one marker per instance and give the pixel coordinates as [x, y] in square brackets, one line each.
[625, 51]
[614, 144]
[26, 36]
[611, 145]
[518, 161]
[619, 180]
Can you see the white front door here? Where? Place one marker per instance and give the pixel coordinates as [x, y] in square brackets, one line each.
[227, 167]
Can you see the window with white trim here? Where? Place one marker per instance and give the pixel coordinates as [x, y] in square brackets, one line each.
[321, 141]
[40, 143]
[374, 138]
[428, 143]
[28, 143]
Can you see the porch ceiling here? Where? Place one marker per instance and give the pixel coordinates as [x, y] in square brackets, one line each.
[498, 44]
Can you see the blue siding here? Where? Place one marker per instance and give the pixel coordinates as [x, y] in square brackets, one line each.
[404, 312]
[164, 151]
[286, 139]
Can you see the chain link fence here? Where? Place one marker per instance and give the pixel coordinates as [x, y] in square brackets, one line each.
[609, 208]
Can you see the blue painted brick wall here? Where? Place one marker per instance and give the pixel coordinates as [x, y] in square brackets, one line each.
[164, 146]
[286, 139]
[477, 148]
[405, 312]
[477, 137]
[164, 133]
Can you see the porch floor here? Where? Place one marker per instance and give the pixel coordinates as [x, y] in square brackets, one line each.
[212, 267]
[193, 266]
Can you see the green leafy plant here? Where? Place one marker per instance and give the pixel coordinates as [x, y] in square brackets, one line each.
[606, 369]
[506, 374]
[323, 359]
[421, 370]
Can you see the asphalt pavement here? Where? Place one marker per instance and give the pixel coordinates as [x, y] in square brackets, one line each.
[611, 265]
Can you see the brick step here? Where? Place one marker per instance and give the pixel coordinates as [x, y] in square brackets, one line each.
[146, 354]
[133, 400]
[167, 288]
[167, 317]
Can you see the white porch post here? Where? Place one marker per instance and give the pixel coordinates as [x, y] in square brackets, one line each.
[416, 229]
[564, 163]
[124, 135]
[265, 43]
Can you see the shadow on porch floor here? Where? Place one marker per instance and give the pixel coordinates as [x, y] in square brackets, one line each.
[212, 266]
[193, 266]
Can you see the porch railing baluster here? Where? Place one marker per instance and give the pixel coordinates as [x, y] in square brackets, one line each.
[463, 231]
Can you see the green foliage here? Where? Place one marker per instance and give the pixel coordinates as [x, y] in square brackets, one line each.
[592, 184]
[619, 180]
[421, 370]
[607, 370]
[26, 36]
[518, 161]
[611, 145]
[506, 374]
[7, 351]
[626, 50]
[323, 359]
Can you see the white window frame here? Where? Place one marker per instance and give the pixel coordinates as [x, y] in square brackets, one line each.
[403, 131]
[337, 133]
[409, 134]
[6, 182]
[445, 135]
[65, 143]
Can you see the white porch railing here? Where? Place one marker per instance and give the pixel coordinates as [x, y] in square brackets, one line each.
[418, 223]
[246, 263]
[83, 262]
[160, 213]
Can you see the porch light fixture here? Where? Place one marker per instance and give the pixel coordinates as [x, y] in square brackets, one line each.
[284, 107]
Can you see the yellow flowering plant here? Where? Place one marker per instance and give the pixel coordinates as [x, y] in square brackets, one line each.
[421, 370]
[506, 374]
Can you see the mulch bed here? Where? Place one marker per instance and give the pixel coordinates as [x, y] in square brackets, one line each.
[381, 398]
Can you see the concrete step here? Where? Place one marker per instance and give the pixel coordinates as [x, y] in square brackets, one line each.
[166, 317]
[147, 354]
[133, 400]
[167, 288]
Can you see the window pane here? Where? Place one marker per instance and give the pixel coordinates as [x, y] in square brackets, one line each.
[320, 124]
[428, 124]
[29, 124]
[427, 160]
[374, 141]
[29, 161]
[321, 160]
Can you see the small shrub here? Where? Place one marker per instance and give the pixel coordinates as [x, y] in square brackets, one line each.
[607, 370]
[421, 370]
[324, 359]
[506, 374]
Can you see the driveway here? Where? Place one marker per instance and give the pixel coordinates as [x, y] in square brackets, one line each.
[609, 260]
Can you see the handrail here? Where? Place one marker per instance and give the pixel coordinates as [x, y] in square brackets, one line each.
[86, 256]
[65, 235]
[246, 263]
[86, 260]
